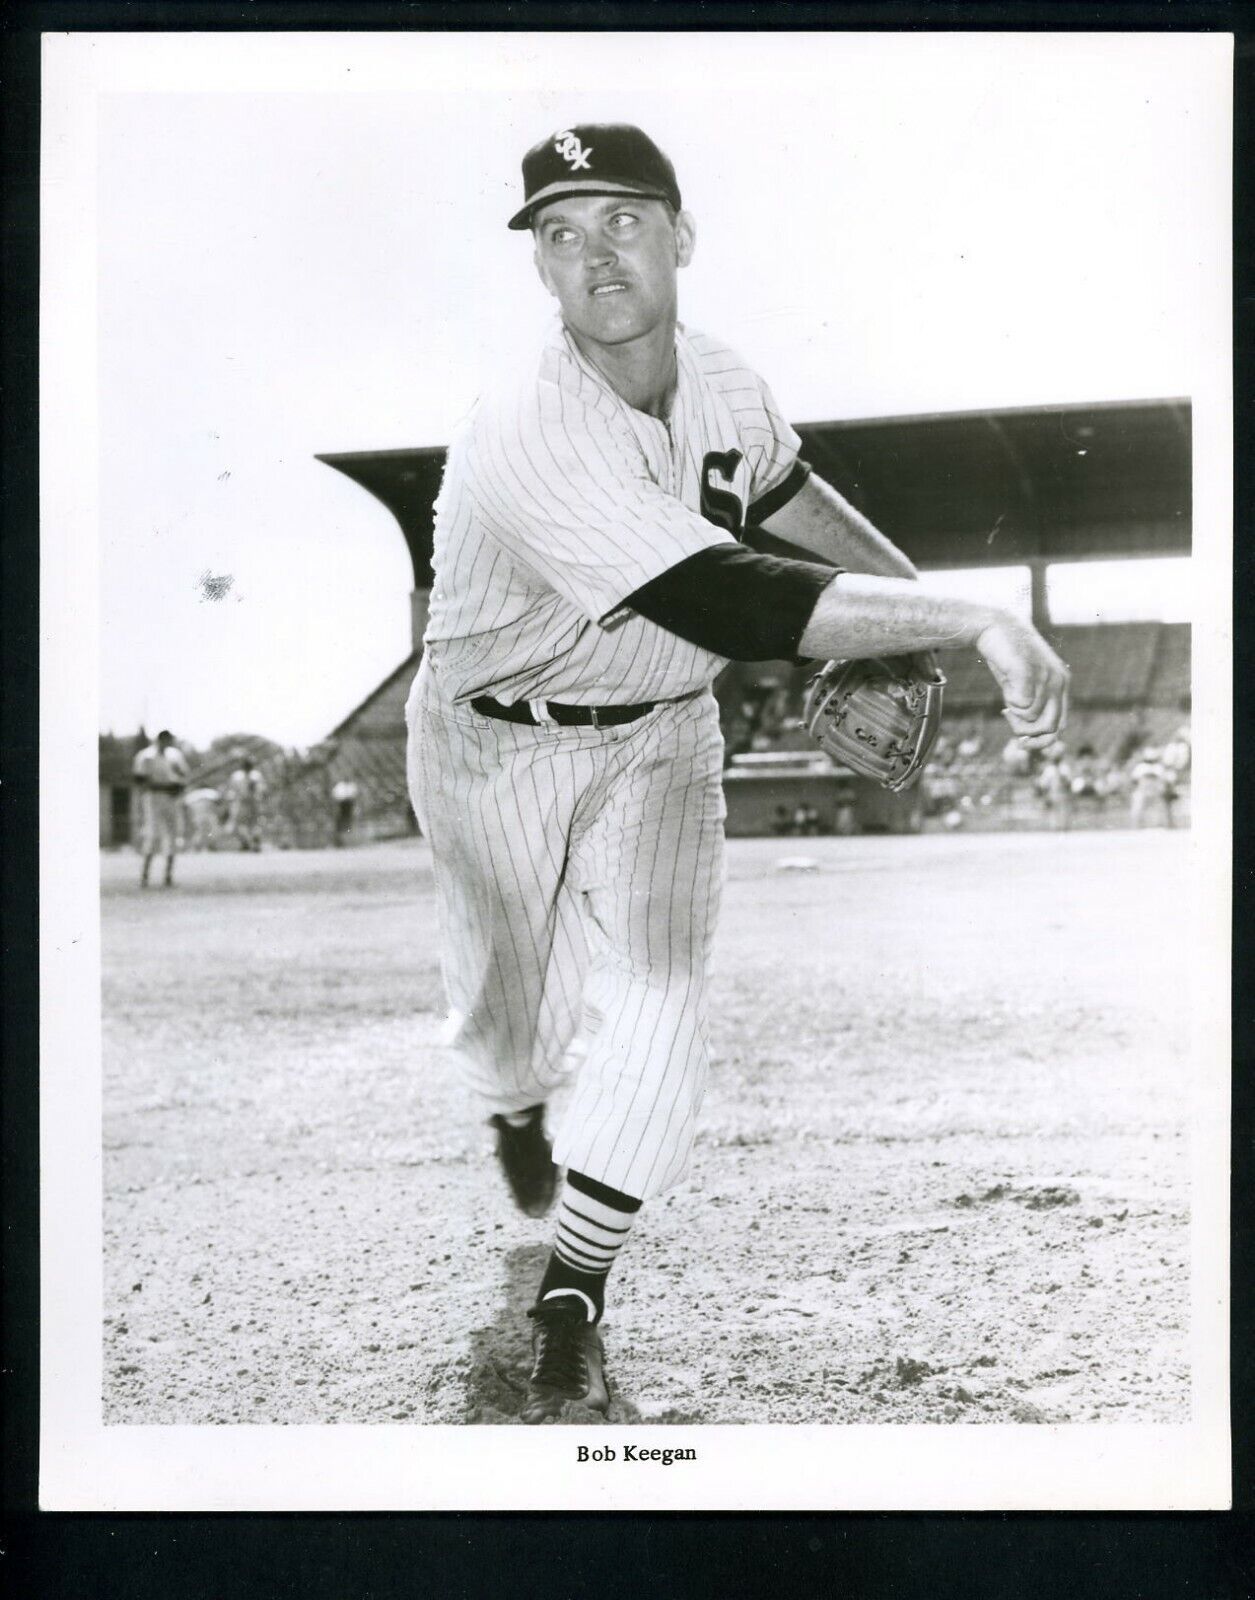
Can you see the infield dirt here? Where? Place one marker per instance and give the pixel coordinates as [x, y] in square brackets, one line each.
[942, 1174]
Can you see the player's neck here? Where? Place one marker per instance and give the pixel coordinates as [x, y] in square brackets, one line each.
[641, 371]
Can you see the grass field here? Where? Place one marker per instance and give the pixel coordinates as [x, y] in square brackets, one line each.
[942, 1174]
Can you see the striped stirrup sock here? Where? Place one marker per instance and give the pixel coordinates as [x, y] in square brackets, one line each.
[592, 1227]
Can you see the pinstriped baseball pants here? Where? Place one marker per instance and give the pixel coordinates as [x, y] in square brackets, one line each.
[578, 874]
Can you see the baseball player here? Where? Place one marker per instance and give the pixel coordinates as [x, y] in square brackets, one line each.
[344, 797]
[594, 571]
[201, 806]
[160, 773]
[1150, 789]
[245, 788]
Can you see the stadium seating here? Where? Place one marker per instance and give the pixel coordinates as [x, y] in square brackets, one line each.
[1170, 677]
[1111, 663]
[1130, 687]
[968, 685]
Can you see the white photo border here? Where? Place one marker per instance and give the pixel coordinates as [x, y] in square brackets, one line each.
[88, 1466]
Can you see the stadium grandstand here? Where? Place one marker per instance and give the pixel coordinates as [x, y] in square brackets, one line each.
[1027, 489]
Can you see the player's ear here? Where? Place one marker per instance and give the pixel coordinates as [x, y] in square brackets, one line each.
[685, 238]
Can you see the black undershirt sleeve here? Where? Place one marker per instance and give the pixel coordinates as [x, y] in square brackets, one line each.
[771, 544]
[783, 492]
[736, 602]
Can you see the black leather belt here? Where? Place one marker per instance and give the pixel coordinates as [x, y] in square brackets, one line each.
[564, 716]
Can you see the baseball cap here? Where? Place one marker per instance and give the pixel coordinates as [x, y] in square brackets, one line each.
[594, 158]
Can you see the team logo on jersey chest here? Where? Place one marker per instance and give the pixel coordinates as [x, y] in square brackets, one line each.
[720, 502]
[573, 152]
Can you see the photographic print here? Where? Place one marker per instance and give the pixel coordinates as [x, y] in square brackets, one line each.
[635, 693]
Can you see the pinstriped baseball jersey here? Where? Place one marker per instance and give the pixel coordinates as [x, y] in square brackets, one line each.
[578, 869]
[559, 500]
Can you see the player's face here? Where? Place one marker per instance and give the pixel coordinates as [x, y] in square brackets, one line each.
[610, 261]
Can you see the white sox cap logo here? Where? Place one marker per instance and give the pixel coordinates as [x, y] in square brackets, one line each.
[628, 162]
[572, 151]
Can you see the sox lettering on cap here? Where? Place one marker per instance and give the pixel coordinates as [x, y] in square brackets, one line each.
[594, 158]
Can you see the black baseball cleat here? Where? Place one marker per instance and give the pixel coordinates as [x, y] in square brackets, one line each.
[526, 1158]
[567, 1361]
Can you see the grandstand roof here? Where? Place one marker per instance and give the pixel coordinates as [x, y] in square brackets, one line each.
[988, 488]
[1061, 483]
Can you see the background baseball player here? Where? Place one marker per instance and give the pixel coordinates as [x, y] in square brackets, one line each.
[201, 809]
[245, 789]
[344, 798]
[160, 771]
[594, 572]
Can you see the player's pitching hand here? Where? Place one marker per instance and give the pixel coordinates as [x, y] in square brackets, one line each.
[1033, 680]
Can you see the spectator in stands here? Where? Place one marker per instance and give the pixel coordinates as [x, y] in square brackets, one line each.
[969, 747]
[805, 820]
[1177, 752]
[1112, 782]
[748, 730]
[1084, 770]
[1176, 763]
[772, 717]
[1133, 740]
[1149, 790]
[737, 722]
[1171, 794]
[1016, 759]
[1085, 791]
[1054, 785]
[942, 792]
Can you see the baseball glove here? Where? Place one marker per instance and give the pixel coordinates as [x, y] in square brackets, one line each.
[878, 717]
